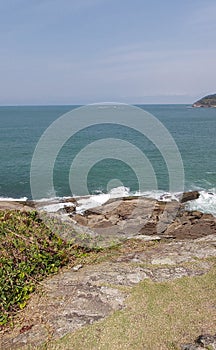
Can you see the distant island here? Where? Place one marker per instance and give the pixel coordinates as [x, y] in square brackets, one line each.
[207, 101]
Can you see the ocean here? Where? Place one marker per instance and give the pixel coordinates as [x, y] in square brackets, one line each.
[193, 132]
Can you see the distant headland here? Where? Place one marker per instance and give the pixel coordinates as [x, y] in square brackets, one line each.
[207, 101]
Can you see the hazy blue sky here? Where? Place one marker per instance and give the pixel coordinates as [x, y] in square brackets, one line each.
[134, 51]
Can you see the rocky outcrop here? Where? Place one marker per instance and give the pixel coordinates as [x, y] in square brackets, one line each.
[189, 196]
[130, 217]
[122, 218]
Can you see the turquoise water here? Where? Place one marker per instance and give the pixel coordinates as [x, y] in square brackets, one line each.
[193, 130]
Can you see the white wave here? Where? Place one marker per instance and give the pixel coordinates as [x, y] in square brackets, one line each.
[160, 195]
[9, 199]
[120, 191]
[51, 199]
[97, 200]
[206, 202]
[91, 202]
[53, 208]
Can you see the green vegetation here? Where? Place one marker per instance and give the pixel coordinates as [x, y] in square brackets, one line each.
[29, 252]
[158, 316]
[207, 101]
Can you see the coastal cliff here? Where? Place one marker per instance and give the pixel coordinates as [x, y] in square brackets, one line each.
[206, 102]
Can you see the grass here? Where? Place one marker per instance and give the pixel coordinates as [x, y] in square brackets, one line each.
[158, 316]
[30, 251]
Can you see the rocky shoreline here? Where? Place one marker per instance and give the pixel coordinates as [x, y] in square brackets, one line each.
[124, 218]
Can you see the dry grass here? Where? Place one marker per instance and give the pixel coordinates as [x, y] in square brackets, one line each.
[158, 316]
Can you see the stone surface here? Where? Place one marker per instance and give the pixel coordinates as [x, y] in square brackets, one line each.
[134, 217]
[204, 341]
[13, 205]
[73, 299]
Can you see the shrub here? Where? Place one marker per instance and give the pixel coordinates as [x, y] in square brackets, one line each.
[29, 252]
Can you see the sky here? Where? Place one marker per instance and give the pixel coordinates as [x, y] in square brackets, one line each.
[89, 51]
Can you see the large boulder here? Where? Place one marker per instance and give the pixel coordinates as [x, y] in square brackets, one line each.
[189, 196]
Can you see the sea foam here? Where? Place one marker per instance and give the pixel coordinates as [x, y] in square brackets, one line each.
[97, 200]
[9, 199]
[206, 202]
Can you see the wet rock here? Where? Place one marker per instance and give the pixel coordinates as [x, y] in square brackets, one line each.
[189, 196]
[69, 209]
[70, 200]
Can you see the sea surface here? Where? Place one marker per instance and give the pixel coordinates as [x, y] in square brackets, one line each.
[193, 130]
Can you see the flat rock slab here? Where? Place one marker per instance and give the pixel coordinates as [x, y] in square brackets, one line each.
[73, 299]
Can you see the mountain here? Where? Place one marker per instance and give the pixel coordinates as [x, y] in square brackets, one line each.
[207, 101]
